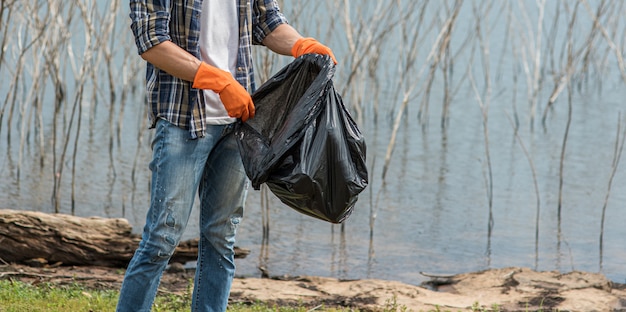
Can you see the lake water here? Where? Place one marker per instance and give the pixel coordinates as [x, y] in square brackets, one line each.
[431, 213]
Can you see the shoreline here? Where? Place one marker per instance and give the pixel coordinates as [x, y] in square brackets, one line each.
[511, 289]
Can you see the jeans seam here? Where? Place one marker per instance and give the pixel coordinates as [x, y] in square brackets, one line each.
[199, 266]
[157, 181]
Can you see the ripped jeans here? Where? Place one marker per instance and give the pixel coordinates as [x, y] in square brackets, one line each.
[180, 166]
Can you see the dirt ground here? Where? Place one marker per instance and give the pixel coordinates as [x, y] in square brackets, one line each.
[512, 289]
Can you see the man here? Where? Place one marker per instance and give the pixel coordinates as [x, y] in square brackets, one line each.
[199, 72]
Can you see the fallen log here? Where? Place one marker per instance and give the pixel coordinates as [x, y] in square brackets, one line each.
[70, 240]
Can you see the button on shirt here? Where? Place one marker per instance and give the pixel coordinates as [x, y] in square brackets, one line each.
[154, 21]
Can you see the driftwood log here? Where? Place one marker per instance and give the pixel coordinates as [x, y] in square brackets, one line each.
[69, 240]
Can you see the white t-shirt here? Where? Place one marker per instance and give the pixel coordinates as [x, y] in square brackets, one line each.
[219, 42]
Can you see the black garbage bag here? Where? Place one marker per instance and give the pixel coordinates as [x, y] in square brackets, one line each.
[302, 142]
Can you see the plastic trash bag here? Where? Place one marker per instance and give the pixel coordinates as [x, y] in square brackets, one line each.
[302, 142]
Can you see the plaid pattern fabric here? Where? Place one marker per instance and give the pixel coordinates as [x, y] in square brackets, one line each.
[155, 21]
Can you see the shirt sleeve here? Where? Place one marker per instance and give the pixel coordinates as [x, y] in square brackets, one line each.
[266, 16]
[149, 22]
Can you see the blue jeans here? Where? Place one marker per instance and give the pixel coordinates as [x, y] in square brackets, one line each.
[180, 166]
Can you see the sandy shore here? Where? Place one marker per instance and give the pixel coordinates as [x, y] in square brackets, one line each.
[512, 289]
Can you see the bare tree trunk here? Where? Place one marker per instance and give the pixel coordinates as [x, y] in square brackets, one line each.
[71, 240]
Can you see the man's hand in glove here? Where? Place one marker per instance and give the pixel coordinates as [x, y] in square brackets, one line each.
[235, 98]
[310, 45]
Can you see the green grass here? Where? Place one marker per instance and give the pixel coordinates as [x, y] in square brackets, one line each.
[17, 296]
[22, 297]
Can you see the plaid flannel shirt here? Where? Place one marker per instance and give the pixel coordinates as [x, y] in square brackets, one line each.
[155, 21]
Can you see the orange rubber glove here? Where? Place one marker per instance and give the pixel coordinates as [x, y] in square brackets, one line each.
[235, 98]
[310, 45]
